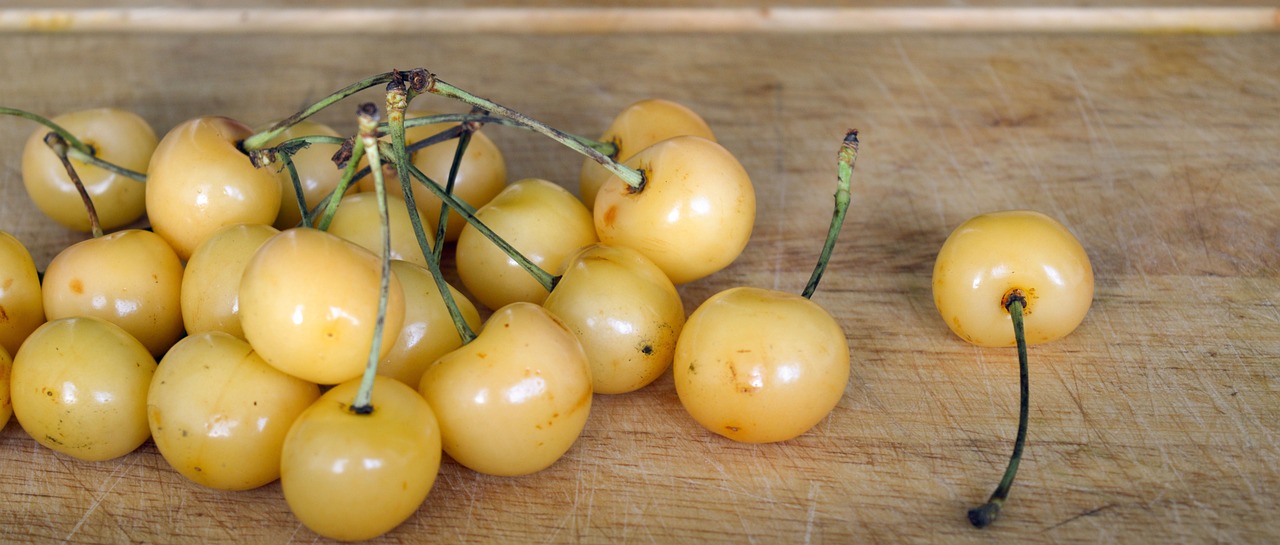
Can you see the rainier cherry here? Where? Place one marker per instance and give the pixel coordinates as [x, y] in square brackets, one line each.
[115, 136]
[692, 217]
[994, 270]
[21, 302]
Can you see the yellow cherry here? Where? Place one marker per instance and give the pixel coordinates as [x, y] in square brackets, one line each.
[309, 303]
[638, 126]
[624, 310]
[351, 477]
[758, 365]
[116, 136]
[993, 255]
[199, 181]
[693, 216]
[541, 220]
[211, 283]
[428, 331]
[79, 387]
[358, 221]
[317, 173]
[515, 399]
[219, 414]
[130, 278]
[21, 300]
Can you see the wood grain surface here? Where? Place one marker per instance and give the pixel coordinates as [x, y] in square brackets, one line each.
[1157, 421]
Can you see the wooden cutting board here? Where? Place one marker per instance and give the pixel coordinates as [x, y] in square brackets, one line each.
[1156, 421]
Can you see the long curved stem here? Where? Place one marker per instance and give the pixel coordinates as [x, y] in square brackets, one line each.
[844, 167]
[632, 177]
[259, 140]
[369, 138]
[985, 514]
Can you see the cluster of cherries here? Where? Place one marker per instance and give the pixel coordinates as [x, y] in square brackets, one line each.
[290, 289]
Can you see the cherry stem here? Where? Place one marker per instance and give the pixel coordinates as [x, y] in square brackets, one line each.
[397, 102]
[76, 149]
[442, 225]
[259, 140]
[632, 177]
[59, 146]
[985, 514]
[299, 195]
[348, 175]
[368, 114]
[844, 167]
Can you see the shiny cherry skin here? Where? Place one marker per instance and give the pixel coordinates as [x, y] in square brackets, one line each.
[990, 256]
[359, 221]
[211, 281]
[131, 278]
[638, 126]
[116, 136]
[515, 399]
[625, 311]
[760, 366]
[21, 299]
[309, 304]
[694, 215]
[219, 414]
[428, 331]
[353, 477]
[200, 181]
[79, 387]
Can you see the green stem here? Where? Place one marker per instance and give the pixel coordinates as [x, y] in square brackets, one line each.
[544, 278]
[348, 175]
[986, 514]
[632, 177]
[59, 147]
[259, 140]
[90, 159]
[442, 223]
[369, 138]
[396, 124]
[844, 166]
[70, 139]
[300, 196]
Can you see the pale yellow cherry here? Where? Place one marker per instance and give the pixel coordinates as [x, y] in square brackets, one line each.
[541, 220]
[199, 181]
[350, 476]
[21, 301]
[428, 331]
[317, 173]
[130, 278]
[515, 399]
[211, 283]
[309, 304]
[481, 175]
[624, 310]
[358, 221]
[116, 136]
[991, 256]
[6, 404]
[694, 215]
[219, 414]
[79, 387]
[759, 366]
[636, 127]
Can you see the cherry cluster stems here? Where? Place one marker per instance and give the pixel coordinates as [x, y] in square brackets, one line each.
[59, 146]
[396, 124]
[260, 140]
[844, 172]
[369, 138]
[634, 179]
[76, 149]
[985, 514]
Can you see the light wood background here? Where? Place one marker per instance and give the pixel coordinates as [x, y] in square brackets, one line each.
[1157, 421]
